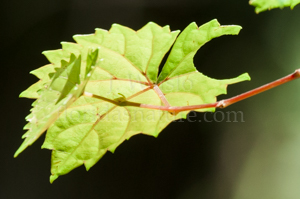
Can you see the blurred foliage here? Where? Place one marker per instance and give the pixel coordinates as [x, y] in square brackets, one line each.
[272, 167]
[263, 5]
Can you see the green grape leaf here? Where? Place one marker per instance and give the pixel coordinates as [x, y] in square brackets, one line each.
[263, 5]
[107, 110]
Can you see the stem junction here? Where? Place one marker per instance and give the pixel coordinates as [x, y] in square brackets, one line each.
[220, 104]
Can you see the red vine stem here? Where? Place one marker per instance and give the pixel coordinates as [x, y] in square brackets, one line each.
[283, 80]
[161, 96]
[220, 104]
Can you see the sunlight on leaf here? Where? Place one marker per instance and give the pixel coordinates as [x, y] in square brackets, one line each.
[55, 97]
[94, 113]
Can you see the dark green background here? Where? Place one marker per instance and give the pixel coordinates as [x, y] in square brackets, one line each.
[257, 158]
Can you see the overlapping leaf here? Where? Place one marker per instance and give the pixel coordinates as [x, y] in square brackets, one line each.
[102, 118]
[55, 95]
[263, 5]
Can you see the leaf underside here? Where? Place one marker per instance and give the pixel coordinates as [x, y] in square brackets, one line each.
[118, 66]
[263, 5]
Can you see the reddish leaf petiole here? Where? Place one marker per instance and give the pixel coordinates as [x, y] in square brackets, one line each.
[220, 104]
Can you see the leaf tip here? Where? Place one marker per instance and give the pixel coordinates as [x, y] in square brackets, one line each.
[115, 25]
[88, 166]
[240, 78]
[53, 177]
[176, 32]
[245, 77]
[151, 22]
[16, 154]
[193, 24]
[20, 150]
[155, 134]
[22, 94]
[45, 52]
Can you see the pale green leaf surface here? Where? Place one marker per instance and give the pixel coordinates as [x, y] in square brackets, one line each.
[54, 99]
[43, 74]
[180, 60]
[127, 73]
[263, 5]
